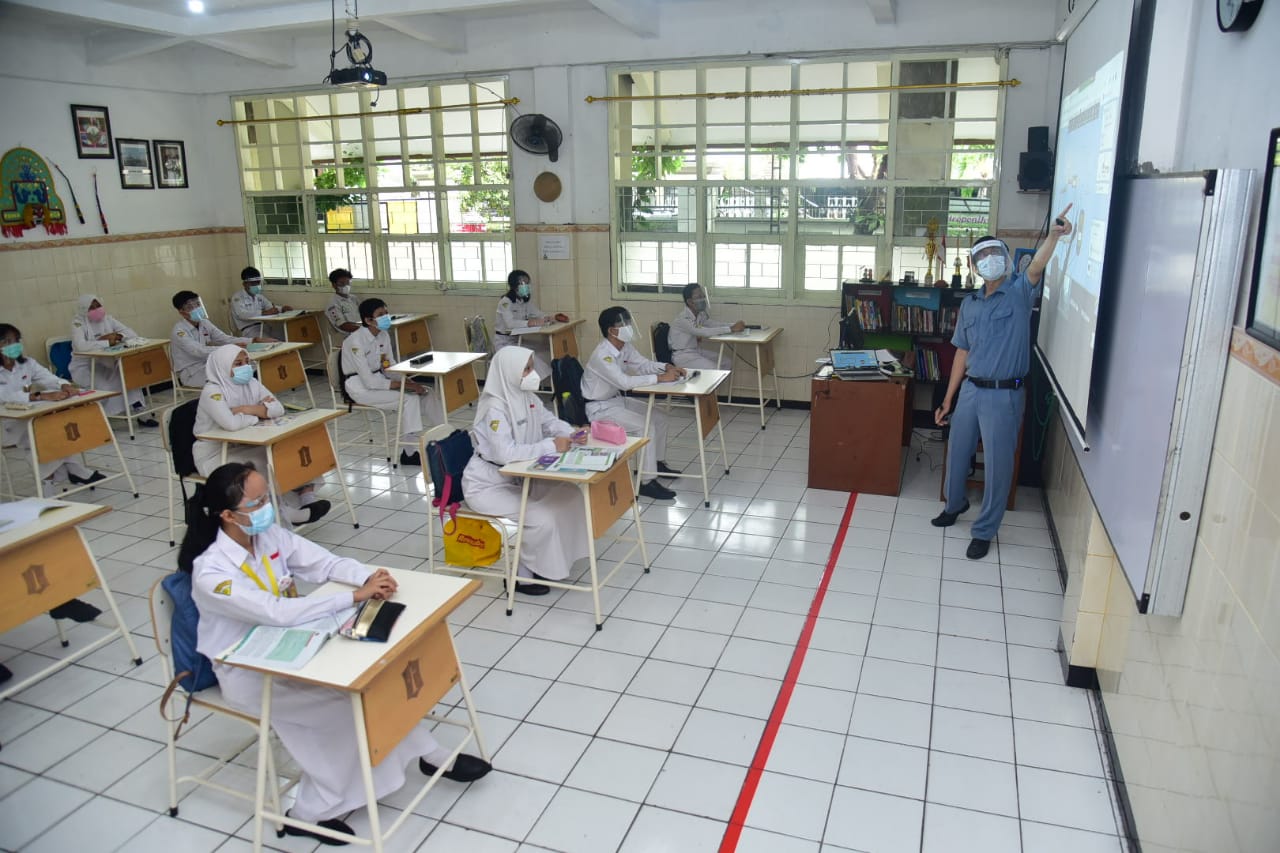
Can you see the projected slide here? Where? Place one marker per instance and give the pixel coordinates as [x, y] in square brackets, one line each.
[1083, 176]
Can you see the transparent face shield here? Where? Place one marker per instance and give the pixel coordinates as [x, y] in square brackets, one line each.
[992, 260]
[628, 332]
[700, 301]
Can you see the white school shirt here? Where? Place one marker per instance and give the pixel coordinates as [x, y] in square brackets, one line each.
[364, 357]
[84, 338]
[245, 305]
[512, 313]
[231, 601]
[214, 412]
[17, 384]
[191, 345]
[610, 371]
[343, 309]
[687, 328]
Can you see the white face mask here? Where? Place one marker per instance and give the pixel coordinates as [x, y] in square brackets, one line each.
[626, 334]
[992, 267]
[530, 381]
[344, 289]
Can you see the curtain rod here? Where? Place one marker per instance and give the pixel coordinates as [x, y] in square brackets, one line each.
[407, 111]
[782, 93]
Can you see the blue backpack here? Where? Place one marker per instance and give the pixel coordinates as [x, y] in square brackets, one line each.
[193, 671]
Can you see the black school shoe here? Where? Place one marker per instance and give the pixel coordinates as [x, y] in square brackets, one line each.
[406, 459]
[977, 549]
[95, 477]
[664, 468]
[318, 509]
[76, 610]
[655, 490]
[946, 519]
[466, 768]
[332, 823]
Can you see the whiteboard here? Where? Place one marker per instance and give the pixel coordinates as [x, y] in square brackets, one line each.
[1163, 337]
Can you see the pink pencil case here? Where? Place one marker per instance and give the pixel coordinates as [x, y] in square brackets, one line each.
[610, 432]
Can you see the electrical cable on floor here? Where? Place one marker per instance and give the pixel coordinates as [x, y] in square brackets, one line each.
[926, 439]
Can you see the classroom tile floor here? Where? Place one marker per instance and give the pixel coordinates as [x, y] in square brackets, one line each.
[928, 713]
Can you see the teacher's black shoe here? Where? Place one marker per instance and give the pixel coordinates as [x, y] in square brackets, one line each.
[318, 510]
[657, 491]
[148, 422]
[95, 477]
[664, 468]
[946, 519]
[332, 823]
[406, 459]
[76, 610]
[466, 768]
[977, 549]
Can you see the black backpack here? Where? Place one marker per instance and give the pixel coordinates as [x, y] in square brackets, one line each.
[446, 460]
[662, 343]
[182, 440]
[566, 382]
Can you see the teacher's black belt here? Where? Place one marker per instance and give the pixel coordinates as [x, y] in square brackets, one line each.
[1002, 384]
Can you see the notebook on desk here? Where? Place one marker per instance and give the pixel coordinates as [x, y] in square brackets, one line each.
[855, 364]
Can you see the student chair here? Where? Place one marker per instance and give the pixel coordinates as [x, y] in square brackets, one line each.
[475, 332]
[176, 437]
[507, 528]
[58, 352]
[334, 375]
[210, 699]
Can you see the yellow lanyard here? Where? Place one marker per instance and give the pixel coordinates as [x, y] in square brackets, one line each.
[271, 575]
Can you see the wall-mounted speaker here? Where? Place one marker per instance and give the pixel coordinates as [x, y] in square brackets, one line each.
[1035, 165]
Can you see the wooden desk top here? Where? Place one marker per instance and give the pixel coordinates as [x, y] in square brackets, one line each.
[441, 363]
[707, 381]
[67, 514]
[127, 348]
[283, 315]
[269, 432]
[39, 409]
[275, 349]
[748, 336]
[401, 319]
[625, 452]
[550, 328]
[351, 664]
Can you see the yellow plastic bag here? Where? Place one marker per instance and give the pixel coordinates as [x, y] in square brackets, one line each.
[471, 542]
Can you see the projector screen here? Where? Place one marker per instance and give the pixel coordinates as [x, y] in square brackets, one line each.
[1088, 126]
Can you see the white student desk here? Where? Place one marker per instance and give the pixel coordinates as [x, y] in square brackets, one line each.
[706, 413]
[410, 334]
[65, 428]
[455, 376]
[299, 450]
[562, 338]
[140, 363]
[297, 326]
[393, 686]
[606, 496]
[280, 367]
[44, 563]
[761, 340]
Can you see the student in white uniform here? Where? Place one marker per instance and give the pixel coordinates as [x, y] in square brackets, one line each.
[615, 366]
[93, 328]
[24, 381]
[515, 309]
[343, 310]
[512, 424]
[234, 399]
[243, 574]
[194, 338]
[251, 303]
[693, 324]
[366, 353]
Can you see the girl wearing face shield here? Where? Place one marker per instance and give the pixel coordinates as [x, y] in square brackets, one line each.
[993, 354]
[512, 424]
[691, 325]
[516, 309]
[234, 399]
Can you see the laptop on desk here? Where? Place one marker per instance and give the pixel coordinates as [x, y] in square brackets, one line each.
[855, 364]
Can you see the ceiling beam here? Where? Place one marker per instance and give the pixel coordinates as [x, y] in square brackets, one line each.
[638, 16]
[108, 48]
[882, 11]
[270, 50]
[443, 32]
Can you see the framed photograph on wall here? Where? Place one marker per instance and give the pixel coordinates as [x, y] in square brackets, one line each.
[92, 127]
[134, 157]
[171, 164]
[1264, 293]
[1022, 259]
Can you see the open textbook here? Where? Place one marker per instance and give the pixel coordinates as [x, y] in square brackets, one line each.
[289, 647]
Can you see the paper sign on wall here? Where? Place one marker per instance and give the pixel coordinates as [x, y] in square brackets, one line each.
[554, 247]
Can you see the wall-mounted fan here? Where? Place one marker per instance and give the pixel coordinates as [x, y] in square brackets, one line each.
[537, 134]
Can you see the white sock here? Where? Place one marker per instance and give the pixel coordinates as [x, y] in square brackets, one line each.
[307, 498]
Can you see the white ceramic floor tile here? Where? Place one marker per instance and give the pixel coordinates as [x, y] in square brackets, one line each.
[806, 753]
[670, 682]
[697, 786]
[446, 838]
[972, 733]
[502, 804]
[901, 644]
[1045, 838]
[615, 769]
[896, 679]
[31, 810]
[582, 822]
[1067, 748]
[736, 693]
[645, 722]
[790, 806]
[720, 736]
[889, 768]
[865, 820]
[952, 830]
[602, 670]
[976, 624]
[890, 719]
[820, 708]
[755, 657]
[830, 669]
[49, 743]
[541, 752]
[1051, 703]
[540, 658]
[654, 830]
[972, 783]
[568, 706]
[1065, 799]
[969, 655]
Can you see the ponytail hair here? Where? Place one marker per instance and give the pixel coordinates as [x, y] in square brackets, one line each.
[224, 489]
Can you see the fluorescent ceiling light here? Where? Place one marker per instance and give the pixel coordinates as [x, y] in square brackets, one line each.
[195, 6]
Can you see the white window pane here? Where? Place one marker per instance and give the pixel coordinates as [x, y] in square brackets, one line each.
[821, 267]
[497, 260]
[468, 265]
[413, 261]
[640, 263]
[357, 257]
[752, 265]
[283, 260]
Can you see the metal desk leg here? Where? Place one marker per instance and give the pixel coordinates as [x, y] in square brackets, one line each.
[584, 489]
[124, 396]
[466, 698]
[635, 517]
[366, 772]
[264, 744]
[702, 451]
[760, 387]
[648, 415]
[515, 560]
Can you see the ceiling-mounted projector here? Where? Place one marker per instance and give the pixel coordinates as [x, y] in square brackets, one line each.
[361, 74]
[358, 77]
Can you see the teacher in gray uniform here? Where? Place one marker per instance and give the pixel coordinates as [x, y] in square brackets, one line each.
[993, 354]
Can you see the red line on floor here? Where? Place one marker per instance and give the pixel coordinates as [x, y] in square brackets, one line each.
[745, 797]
